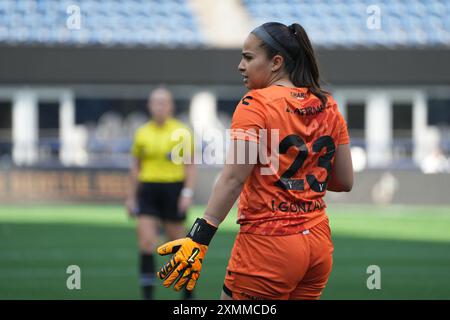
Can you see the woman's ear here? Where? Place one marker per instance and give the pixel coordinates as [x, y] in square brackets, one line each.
[277, 62]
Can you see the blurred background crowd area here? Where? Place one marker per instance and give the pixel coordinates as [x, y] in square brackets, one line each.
[75, 76]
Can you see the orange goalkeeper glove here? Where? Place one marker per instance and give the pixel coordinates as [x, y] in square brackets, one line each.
[184, 267]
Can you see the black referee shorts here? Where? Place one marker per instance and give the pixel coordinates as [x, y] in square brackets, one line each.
[160, 200]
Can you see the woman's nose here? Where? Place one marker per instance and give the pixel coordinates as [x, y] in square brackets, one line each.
[241, 66]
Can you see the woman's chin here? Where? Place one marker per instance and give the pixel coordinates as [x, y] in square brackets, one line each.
[248, 85]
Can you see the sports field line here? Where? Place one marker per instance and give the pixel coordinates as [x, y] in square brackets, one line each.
[81, 254]
[55, 272]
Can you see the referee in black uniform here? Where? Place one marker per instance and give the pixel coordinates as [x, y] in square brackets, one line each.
[161, 190]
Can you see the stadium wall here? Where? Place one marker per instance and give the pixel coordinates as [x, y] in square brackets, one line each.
[110, 185]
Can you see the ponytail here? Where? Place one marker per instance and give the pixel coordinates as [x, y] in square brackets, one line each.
[306, 71]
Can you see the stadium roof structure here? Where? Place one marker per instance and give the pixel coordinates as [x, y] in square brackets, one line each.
[63, 66]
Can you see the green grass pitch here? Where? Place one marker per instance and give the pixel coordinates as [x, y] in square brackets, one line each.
[410, 244]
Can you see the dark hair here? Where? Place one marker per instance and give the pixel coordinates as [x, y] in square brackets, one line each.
[298, 54]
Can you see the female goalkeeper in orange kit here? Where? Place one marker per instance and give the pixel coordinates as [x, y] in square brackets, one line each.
[283, 249]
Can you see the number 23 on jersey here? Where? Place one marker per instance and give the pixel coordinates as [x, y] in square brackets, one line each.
[286, 182]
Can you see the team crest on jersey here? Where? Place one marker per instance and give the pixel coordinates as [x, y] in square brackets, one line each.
[245, 101]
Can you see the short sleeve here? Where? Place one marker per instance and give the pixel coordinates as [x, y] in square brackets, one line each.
[344, 137]
[136, 147]
[248, 118]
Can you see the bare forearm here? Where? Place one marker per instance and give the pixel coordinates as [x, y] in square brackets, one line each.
[222, 199]
[133, 185]
[190, 176]
[133, 180]
[335, 186]
[341, 179]
[230, 184]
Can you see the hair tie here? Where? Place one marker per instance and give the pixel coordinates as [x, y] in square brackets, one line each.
[292, 29]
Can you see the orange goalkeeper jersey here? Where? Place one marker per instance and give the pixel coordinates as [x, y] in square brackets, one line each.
[285, 195]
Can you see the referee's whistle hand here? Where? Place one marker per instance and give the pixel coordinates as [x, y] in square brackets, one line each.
[184, 203]
[130, 205]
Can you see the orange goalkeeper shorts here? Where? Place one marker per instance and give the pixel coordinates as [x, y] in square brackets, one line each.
[293, 266]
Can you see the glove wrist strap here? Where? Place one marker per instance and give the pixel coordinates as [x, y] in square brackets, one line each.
[202, 232]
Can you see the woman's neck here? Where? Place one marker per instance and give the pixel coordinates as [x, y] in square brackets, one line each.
[160, 123]
[281, 81]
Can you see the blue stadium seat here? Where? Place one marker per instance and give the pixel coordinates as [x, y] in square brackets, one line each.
[110, 22]
[334, 23]
[172, 23]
